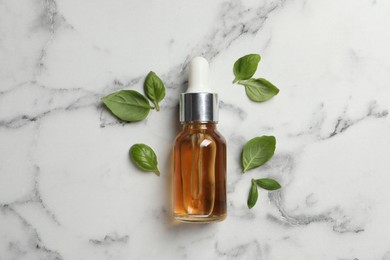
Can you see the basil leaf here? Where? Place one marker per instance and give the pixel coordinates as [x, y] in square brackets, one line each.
[253, 195]
[154, 89]
[128, 105]
[257, 151]
[144, 157]
[245, 67]
[268, 184]
[259, 90]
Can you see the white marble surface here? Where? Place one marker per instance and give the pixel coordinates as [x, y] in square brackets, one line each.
[69, 191]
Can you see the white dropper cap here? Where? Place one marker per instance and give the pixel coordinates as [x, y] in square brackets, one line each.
[198, 78]
[198, 104]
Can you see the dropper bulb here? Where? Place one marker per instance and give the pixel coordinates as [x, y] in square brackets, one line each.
[198, 79]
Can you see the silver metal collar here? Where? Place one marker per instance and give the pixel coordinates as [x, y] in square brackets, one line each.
[199, 107]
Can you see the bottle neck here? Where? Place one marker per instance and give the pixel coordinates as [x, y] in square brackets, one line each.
[191, 125]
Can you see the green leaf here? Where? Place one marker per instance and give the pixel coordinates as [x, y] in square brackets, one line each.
[144, 157]
[245, 67]
[268, 184]
[128, 105]
[253, 195]
[257, 151]
[259, 90]
[154, 89]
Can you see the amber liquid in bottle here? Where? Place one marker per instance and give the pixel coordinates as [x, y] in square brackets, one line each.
[199, 177]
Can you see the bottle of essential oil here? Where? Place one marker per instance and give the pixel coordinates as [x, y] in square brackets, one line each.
[199, 177]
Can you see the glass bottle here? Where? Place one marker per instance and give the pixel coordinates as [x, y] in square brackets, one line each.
[199, 177]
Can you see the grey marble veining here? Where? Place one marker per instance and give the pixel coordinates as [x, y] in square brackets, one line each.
[69, 191]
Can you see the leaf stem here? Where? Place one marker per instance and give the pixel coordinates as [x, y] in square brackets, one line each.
[241, 82]
[157, 106]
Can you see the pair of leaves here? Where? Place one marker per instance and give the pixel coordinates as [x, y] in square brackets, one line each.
[257, 152]
[130, 105]
[257, 90]
[265, 183]
[144, 158]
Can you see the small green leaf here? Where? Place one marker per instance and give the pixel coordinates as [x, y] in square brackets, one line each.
[253, 195]
[245, 67]
[268, 184]
[128, 105]
[257, 151]
[144, 157]
[154, 89]
[259, 90]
